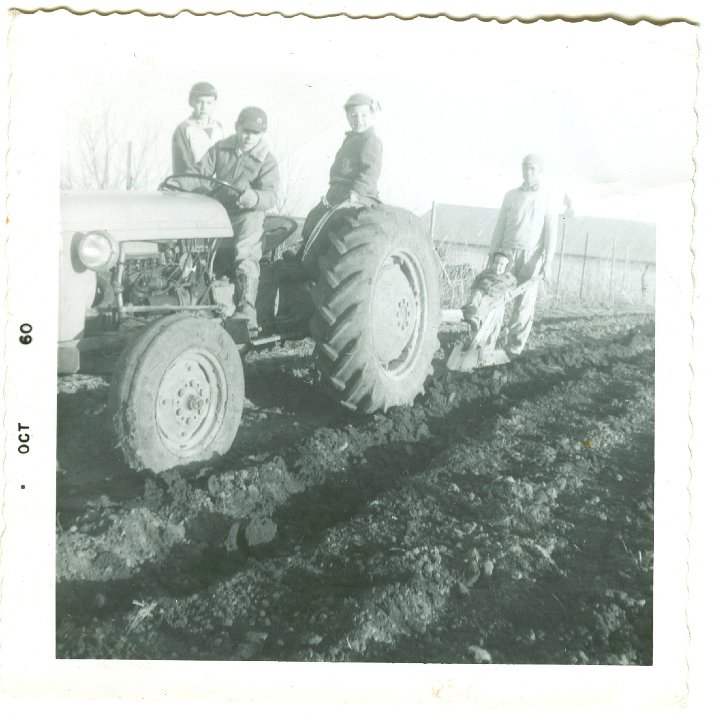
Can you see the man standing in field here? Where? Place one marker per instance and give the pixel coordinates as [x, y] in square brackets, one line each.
[526, 234]
[195, 135]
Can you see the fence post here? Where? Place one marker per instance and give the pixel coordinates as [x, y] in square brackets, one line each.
[585, 260]
[432, 222]
[612, 268]
[626, 273]
[129, 179]
[643, 281]
[560, 261]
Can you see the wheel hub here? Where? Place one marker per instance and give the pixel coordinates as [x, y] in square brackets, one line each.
[394, 313]
[188, 396]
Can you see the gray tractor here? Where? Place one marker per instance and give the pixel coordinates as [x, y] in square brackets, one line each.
[142, 276]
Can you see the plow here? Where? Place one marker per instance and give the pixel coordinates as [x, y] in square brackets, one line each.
[479, 349]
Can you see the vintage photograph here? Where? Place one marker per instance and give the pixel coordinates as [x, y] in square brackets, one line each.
[356, 341]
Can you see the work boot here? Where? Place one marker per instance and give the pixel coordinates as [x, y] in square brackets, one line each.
[246, 312]
[246, 292]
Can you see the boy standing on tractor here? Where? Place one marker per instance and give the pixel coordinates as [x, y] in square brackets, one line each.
[355, 172]
[195, 135]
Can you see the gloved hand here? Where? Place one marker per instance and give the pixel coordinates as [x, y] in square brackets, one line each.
[248, 200]
[241, 185]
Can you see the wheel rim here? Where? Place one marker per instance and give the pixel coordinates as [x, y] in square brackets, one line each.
[191, 402]
[399, 302]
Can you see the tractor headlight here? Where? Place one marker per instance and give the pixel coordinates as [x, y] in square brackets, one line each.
[98, 251]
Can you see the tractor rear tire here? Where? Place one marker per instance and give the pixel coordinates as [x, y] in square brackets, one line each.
[177, 394]
[377, 308]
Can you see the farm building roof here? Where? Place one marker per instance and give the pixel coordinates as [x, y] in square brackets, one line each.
[473, 227]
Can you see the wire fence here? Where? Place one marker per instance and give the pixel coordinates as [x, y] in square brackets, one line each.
[590, 269]
[575, 279]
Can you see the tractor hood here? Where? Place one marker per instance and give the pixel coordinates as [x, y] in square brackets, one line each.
[158, 215]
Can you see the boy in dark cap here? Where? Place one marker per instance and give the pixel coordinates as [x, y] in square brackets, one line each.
[355, 172]
[195, 135]
[244, 161]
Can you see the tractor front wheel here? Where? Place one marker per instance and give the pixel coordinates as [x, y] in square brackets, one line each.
[177, 395]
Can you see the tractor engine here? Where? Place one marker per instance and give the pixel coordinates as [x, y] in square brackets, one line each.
[177, 274]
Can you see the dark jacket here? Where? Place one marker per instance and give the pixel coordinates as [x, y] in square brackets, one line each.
[257, 169]
[357, 166]
[490, 283]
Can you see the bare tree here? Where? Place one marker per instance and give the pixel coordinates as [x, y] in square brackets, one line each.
[292, 196]
[104, 151]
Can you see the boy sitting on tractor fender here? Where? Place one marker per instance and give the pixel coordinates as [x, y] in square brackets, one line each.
[486, 291]
[355, 172]
[358, 163]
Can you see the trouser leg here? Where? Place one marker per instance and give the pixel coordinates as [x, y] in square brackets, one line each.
[521, 320]
[310, 261]
[525, 266]
[497, 322]
[312, 219]
[319, 246]
[247, 232]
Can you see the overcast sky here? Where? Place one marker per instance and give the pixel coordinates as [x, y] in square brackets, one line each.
[609, 106]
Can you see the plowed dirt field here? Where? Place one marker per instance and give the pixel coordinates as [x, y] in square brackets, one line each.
[506, 517]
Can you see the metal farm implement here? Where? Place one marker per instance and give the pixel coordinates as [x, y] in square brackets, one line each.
[479, 350]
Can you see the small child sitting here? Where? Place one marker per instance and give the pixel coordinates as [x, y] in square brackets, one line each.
[487, 289]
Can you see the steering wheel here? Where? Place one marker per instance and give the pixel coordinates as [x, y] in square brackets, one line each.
[168, 185]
